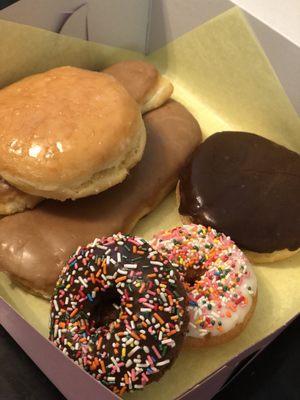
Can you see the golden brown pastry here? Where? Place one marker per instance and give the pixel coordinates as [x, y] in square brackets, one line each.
[262, 258]
[143, 82]
[35, 245]
[140, 79]
[13, 200]
[68, 133]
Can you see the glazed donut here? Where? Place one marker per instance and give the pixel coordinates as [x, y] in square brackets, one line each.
[141, 80]
[13, 200]
[119, 311]
[35, 245]
[220, 282]
[68, 133]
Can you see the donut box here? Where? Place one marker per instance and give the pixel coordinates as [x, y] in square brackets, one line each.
[224, 64]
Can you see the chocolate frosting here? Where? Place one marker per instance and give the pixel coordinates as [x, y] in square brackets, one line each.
[150, 309]
[247, 187]
[35, 245]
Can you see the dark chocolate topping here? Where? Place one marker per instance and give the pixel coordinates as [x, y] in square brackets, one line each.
[136, 344]
[247, 187]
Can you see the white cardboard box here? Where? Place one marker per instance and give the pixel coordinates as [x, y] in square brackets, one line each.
[149, 24]
[146, 26]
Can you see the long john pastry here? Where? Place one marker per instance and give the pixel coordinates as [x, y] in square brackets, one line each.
[35, 245]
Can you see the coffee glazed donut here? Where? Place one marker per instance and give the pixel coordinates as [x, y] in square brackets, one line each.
[220, 282]
[119, 311]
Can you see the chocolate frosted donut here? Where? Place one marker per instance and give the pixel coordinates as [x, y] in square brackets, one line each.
[119, 311]
[247, 187]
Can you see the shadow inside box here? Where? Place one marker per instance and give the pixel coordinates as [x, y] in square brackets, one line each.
[270, 373]
[6, 3]
[240, 367]
[20, 378]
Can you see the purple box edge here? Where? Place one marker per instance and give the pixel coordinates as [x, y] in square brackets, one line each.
[211, 385]
[72, 381]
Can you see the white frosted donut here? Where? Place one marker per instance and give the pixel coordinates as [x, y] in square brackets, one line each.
[219, 279]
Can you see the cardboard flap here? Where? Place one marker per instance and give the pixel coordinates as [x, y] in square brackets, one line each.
[76, 24]
[110, 22]
[147, 25]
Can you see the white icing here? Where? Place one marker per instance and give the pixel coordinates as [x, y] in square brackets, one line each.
[207, 314]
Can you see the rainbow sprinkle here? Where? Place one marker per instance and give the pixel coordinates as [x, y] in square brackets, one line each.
[119, 311]
[218, 278]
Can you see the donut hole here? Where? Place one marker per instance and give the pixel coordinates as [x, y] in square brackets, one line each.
[191, 274]
[106, 308]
